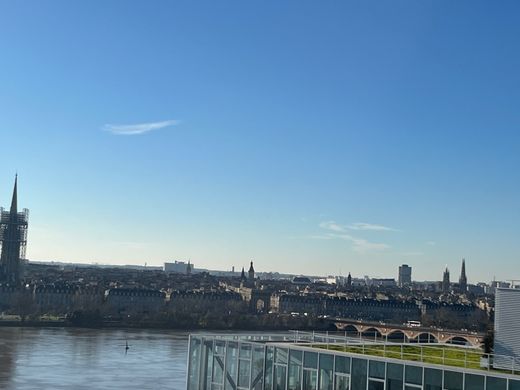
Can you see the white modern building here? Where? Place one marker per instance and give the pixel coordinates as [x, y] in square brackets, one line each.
[507, 324]
[180, 267]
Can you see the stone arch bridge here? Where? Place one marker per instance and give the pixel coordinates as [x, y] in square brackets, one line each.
[406, 333]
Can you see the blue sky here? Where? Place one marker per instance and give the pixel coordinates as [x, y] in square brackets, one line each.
[312, 137]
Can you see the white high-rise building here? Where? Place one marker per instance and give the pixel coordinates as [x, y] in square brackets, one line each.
[507, 324]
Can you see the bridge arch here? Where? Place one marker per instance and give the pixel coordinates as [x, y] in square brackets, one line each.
[372, 333]
[424, 337]
[458, 340]
[397, 336]
[351, 330]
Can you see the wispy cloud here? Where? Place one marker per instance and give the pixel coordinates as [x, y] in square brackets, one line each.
[360, 245]
[138, 128]
[370, 226]
[332, 225]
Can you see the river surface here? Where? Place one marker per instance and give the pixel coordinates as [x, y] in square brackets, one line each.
[67, 358]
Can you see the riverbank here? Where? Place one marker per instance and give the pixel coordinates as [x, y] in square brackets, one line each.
[114, 324]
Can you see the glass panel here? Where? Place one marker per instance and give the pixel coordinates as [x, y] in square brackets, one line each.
[375, 385]
[326, 366]
[376, 369]
[295, 370]
[193, 376]
[452, 380]
[413, 374]
[244, 368]
[310, 379]
[230, 375]
[220, 347]
[358, 376]
[310, 360]
[216, 387]
[342, 382]
[514, 385]
[245, 351]
[280, 355]
[208, 363]
[394, 376]
[342, 364]
[258, 368]
[412, 387]
[269, 369]
[279, 377]
[218, 370]
[474, 382]
[494, 383]
[432, 379]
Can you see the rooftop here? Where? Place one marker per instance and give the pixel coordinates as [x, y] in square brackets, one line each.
[430, 353]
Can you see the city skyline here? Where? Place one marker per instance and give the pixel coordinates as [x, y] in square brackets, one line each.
[325, 139]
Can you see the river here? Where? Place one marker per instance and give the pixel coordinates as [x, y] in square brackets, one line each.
[69, 358]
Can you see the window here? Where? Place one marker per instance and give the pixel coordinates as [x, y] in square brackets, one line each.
[310, 360]
[342, 382]
[281, 355]
[231, 366]
[376, 384]
[280, 373]
[326, 371]
[493, 383]
[193, 376]
[452, 380]
[208, 363]
[310, 379]
[376, 369]
[269, 369]
[413, 375]
[257, 368]
[474, 382]
[295, 370]
[394, 376]
[342, 364]
[432, 379]
[358, 376]
[244, 371]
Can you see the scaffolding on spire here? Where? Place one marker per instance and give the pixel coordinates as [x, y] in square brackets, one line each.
[13, 239]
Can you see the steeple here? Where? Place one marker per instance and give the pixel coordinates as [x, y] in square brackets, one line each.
[14, 200]
[463, 280]
[251, 272]
[13, 240]
[446, 281]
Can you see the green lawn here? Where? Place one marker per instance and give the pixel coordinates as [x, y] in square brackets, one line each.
[440, 354]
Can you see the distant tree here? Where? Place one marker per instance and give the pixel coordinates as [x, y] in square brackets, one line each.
[489, 341]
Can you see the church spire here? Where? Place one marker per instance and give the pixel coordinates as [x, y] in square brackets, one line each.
[463, 280]
[14, 200]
